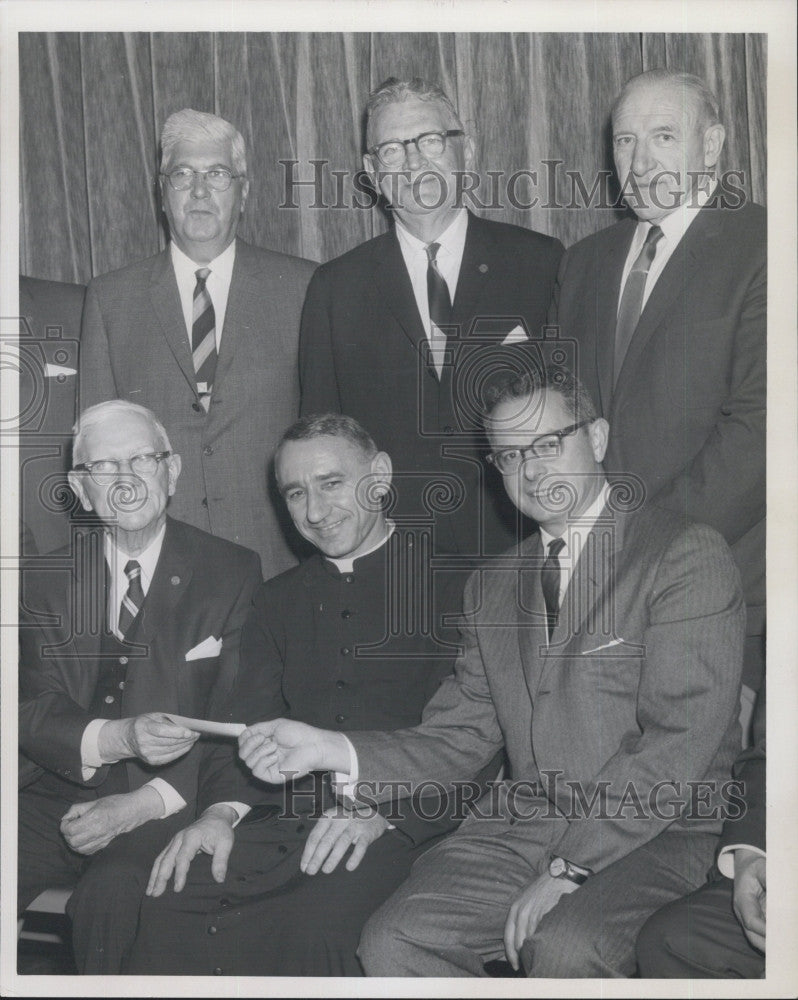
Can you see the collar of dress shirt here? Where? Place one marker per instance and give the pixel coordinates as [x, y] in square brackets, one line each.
[451, 241]
[186, 268]
[673, 226]
[575, 535]
[347, 565]
[117, 560]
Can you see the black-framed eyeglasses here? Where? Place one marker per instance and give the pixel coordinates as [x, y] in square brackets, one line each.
[105, 470]
[217, 178]
[510, 460]
[392, 153]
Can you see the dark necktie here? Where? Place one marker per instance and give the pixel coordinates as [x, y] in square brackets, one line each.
[133, 599]
[440, 307]
[203, 338]
[632, 299]
[550, 581]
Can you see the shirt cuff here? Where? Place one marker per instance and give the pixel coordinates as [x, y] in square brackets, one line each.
[239, 808]
[726, 857]
[343, 783]
[90, 759]
[173, 801]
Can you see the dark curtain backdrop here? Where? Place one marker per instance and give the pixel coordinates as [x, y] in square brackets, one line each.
[92, 106]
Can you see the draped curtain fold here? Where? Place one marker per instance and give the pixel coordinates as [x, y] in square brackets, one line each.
[92, 106]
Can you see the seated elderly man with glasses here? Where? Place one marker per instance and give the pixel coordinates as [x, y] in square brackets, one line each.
[141, 616]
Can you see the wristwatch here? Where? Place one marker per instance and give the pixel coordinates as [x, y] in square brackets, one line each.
[560, 868]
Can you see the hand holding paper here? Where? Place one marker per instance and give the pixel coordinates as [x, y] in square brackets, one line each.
[231, 729]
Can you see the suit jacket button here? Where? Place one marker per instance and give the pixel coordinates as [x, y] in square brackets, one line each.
[204, 501]
[346, 614]
[340, 718]
[340, 685]
[174, 580]
[212, 929]
[123, 660]
[196, 407]
[207, 450]
[218, 971]
[109, 699]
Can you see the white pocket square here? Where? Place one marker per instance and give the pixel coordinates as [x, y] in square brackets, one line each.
[208, 647]
[53, 371]
[612, 642]
[516, 336]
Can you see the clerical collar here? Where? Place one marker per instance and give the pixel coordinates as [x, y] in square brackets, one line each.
[347, 564]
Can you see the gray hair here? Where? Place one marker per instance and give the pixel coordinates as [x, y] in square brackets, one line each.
[394, 90]
[189, 126]
[705, 102]
[553, 378]
[118, 408]
[329, 425]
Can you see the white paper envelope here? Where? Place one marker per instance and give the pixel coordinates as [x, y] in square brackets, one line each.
[232, 729]
[516, 336]
[208, 647]
[53, 371]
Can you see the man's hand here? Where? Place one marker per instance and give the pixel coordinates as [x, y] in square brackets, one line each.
[211, 834]
[88, 827]
[334, 834]
[149, 737]
[528, 910]
[279, 750]
[750, 894]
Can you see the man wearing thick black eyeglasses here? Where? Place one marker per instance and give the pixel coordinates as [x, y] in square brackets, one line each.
[402, 331]
[141, 616]
[605, 657]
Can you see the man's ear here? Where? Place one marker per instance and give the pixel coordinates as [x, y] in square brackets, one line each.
[599, 432]
[370, 166]
[76, 482]
[244, 194]
[714, 138]
[174, 464]
[382, 471]
[469, 152]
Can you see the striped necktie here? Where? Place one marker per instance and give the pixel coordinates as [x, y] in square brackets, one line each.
[203, 338]
[440, 307]
[632, 299]
[133, 599]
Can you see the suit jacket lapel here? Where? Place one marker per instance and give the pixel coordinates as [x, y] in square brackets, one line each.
[668, 295]
[478, 258]
[169, 313]
[607, 294]
[238, 317]
[396, 291]
[588, 602]
[172, 576]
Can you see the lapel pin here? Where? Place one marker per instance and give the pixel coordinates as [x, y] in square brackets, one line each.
[175, 580]
[483, 268]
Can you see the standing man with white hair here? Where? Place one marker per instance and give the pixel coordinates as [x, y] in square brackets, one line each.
[403, 332]
[142, 616]
[205, 333]
[669, 312]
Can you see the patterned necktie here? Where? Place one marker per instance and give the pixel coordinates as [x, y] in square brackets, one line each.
[133, 599]
[632, 299]
[550, 581]
[203, 338]
[440, 307]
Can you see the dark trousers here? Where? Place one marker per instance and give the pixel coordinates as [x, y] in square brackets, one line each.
[698, 937]
[268, 918]
[107, 886]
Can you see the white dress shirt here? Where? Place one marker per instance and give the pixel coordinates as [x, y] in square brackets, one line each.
[450, 257]
[673, 227]
[217, 285]
[116, 559]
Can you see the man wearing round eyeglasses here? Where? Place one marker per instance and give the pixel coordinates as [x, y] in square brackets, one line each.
[402, 331]
[605, 657]
[141, 616]
[205, 334]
